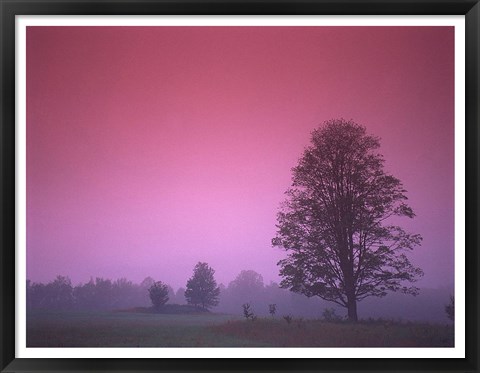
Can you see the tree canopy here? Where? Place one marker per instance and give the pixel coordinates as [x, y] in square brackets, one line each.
[337, 222]
[202, 289]
[247, 282]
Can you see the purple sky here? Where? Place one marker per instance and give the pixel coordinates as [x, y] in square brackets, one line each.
[152, 148]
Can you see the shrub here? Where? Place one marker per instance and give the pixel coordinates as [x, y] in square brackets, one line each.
[329, 314]
[272, 308]
[248, 312]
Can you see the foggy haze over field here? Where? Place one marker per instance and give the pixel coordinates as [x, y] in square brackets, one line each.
[150, 149]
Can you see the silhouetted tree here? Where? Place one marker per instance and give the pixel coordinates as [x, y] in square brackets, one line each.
[334, 225]
[450, 308]
[158, 294]
[202, 289]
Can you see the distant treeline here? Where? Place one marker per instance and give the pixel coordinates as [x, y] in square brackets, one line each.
[247, 287]
[98, 294]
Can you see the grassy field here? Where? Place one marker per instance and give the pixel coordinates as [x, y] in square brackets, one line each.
[318, 333]
[124, 329]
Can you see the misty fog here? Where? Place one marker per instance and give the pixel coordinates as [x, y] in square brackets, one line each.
[246, 287]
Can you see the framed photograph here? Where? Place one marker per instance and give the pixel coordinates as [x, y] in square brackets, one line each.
[224, 186]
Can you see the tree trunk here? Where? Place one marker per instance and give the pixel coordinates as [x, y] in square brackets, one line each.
[352, 309]
[351, 298]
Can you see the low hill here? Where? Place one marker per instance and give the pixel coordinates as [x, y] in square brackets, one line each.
[170, 309]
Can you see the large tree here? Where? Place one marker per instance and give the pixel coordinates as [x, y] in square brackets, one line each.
[202, 289]
[338, 222]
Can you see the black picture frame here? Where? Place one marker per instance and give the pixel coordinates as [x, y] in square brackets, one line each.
[10, 8]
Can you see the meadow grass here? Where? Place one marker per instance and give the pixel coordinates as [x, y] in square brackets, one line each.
[121, 329]
[124, 329]
[319, 333]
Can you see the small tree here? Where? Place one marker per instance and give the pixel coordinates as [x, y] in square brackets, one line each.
[450, 308]
[158, 294]
[202, 289]
[272, 308]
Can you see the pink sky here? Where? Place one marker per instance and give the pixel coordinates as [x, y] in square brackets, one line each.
[152, 148]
